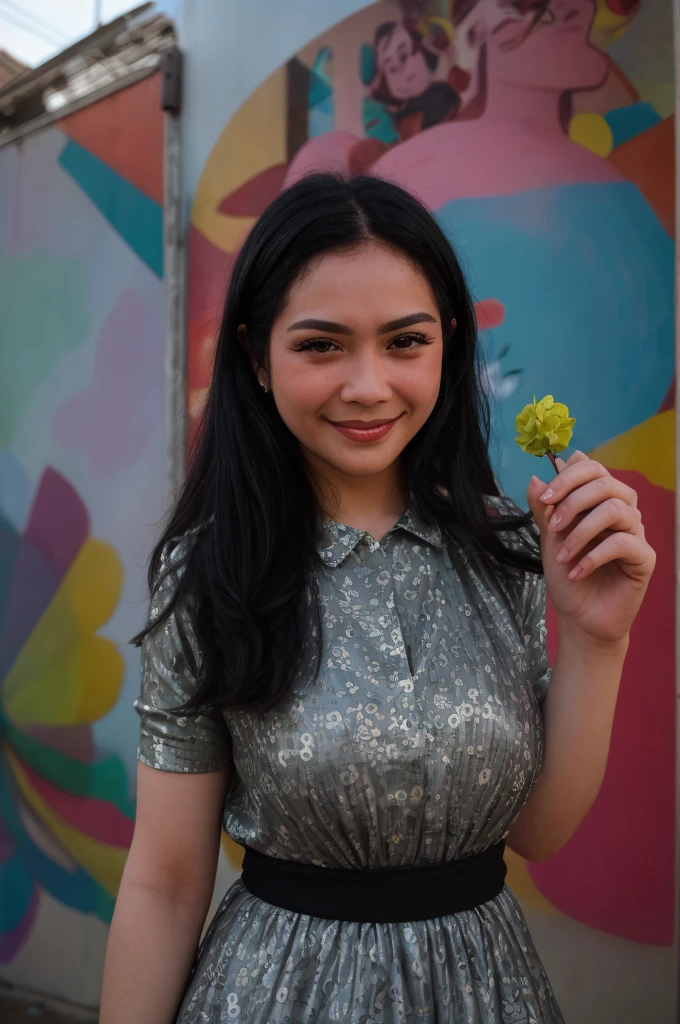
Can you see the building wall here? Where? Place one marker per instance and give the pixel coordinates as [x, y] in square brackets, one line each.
[82, 488]
[553, 174]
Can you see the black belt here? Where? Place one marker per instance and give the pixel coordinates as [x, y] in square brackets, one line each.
[377, 895]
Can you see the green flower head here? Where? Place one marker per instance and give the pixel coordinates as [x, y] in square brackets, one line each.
[544, 427]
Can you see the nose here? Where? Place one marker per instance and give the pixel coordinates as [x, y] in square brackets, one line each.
[366, 382]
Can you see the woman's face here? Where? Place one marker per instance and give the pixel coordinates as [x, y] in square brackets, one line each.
[555, 55]
[403, 65]
[355, 360]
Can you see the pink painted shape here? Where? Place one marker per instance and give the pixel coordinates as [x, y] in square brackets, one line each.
[114, 419]
[475, 159]
[97, 819]
[489, 313]
[467, 159]
[74, 741]
[616, 872]
[12, 941]
[329, 152]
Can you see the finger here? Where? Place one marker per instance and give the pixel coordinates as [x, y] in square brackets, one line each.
[613, 514]
[575, 474]
[577, 456]
[589, 496]
[541, 513]
[635, 557]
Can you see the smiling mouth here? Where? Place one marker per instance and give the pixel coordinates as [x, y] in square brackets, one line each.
[364, 430]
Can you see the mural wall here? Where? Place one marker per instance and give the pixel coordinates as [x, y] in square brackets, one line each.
[82, 487]
[540, 132]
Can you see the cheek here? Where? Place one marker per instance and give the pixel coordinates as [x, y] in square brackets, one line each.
[301, 390]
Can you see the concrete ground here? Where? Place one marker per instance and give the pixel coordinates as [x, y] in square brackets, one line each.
[30, 1011]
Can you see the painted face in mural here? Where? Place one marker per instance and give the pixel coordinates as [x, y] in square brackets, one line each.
[541, 45]
[403, 63]
[353, 368]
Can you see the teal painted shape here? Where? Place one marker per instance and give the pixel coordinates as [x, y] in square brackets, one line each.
[43, 316]
[16, 886]
[136, 218]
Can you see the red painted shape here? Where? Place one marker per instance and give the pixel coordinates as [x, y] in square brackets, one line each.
[97, 819]
[616, 873]
[209, 272]
[489, 313]
[125, 130]
[251, 198]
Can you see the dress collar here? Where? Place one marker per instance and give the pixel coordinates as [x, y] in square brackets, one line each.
[338, 539]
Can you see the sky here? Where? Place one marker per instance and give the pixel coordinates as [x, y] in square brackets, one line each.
[35, 30]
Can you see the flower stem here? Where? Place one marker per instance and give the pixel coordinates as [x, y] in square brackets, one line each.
[553, 460]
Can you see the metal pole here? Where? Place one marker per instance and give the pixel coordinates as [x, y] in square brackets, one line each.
[97, 13]
[174, 281]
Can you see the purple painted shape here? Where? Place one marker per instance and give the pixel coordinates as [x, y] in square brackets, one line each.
[59, 522]
[75, 741]
[57, 527]
[7, 844]
[115, 418]
[12, 941]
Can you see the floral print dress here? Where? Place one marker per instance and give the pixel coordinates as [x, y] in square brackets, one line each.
[419, 742]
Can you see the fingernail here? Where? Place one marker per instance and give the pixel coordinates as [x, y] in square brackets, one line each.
[547, 495]
[575, 572]
[562, 555]
[554, 522]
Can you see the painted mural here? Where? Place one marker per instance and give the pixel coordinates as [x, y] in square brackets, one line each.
[540, 133]
[82, 489]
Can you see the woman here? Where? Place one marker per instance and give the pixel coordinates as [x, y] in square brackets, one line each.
[353, 620]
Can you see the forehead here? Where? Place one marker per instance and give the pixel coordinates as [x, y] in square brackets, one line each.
[371, 277]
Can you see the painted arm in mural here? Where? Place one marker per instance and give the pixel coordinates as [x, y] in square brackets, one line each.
[597, 565]
[164, 895]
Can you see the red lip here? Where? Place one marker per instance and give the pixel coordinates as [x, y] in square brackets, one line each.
[361, 424]
[364, 430]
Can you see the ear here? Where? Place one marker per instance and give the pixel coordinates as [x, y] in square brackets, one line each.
[454, 325]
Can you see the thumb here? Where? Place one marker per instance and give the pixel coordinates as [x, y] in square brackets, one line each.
[542, 513]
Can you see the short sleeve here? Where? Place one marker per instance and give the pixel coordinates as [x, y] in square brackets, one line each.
[195, 741]
[532, 599]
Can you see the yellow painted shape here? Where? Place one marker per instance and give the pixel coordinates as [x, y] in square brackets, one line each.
[523, 885]
[64, 674]
[253, 140]
[648, 448]
[104, 863]
[593, 132]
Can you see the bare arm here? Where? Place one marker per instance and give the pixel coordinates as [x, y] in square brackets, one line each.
[597, 565]
[578, 714]
[164, 896]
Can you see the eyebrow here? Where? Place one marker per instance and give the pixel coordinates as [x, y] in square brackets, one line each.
[391, 325]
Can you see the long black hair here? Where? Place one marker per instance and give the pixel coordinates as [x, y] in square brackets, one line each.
[248, 496]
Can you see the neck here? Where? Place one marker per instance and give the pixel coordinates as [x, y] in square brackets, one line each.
[373, 503]
[536, 108]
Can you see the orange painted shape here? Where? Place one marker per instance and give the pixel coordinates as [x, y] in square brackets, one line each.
[125, 131]
[649, 161]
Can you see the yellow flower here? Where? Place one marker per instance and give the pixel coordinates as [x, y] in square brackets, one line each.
[544, 427]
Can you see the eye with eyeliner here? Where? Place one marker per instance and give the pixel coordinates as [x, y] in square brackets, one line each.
[416, 338]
